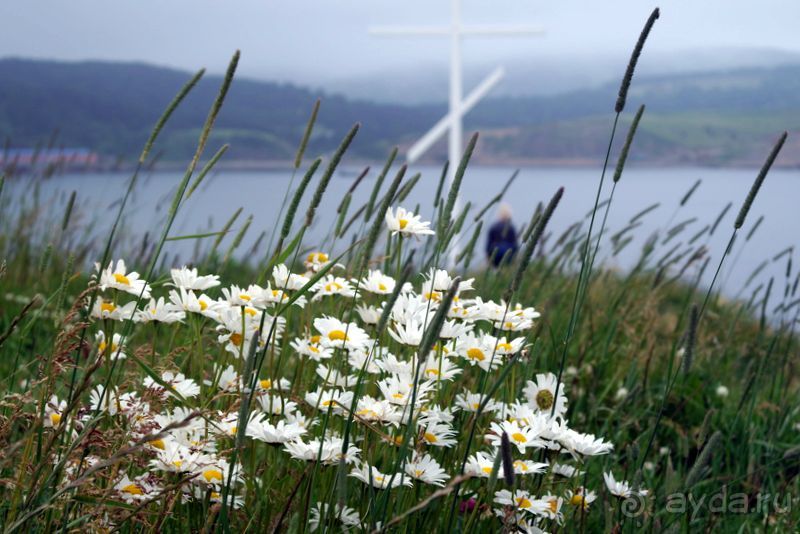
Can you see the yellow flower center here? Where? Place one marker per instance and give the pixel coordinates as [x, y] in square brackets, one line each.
[158, 444]
[398, 395]
[476, 354]
[333, 286]
[133, 489]
[433, 295]
[337, 335]
[236, 339]
[382, 286]
[266, 383]
[476, 405]
[215, 495]
[315, 350]
[519, 437]
[504, 346]
[107, 307]
[233, 430]
[487, 470]
[553, 504]
[244, 297]
[378, 478]
[544, 399]
[177, 463]
[519, 464]
[122, 279]
[250, 311]
[212, 474]
[55, 418]
[317, 257]
[434, 372]
[522, 502]
[102, 347]
[328, 403]
[430, 438]
[403, 223]
[315, 339]
[203, 305]
[578, 500]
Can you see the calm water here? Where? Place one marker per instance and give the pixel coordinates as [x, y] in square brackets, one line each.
[261, 194]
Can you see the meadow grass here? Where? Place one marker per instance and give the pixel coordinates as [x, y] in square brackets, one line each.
[365, 383]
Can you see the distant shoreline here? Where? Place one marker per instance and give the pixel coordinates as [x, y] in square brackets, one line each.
[357, 165]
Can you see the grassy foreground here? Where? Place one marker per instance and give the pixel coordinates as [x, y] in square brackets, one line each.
[377, 390]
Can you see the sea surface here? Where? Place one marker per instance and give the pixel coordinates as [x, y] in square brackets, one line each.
[261, 194]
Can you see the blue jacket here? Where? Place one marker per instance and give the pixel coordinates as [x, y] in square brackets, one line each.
[502, 239]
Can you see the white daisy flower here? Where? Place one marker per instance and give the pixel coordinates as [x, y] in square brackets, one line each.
[478, 350]
[103, 401]
[426, 470]
[389, 363]
[261, 429]
[286, 280]
[337, 401]
[189, 279]
[275, 405]
[406, 223]
[378, 283]
[334, 378]
[333, 285]
[369, 314]
[336, 334]
[117, 349]
[316, 261]
[371, 476]
[374, 410]
[523, 437]
[331, 451]
[136, 490]
[160, 311]
[106, 309]
[238, 296]
[399, 389]
[53, 411]
[409, 333]
[480, 464]
[117, 277]
[312, 348]
[359, 358]
[439, 368]
[620, 488]
[185, 387]
[580, 497]
[345, 517]
[187, 301]
[541, 394]
[520, 499]
[438, 435]
[565, 470]
[470, 402]
[584, 444]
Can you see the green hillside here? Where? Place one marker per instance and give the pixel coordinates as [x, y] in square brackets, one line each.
[716, 118]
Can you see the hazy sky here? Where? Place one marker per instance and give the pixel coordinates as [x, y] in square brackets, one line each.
[310, 41]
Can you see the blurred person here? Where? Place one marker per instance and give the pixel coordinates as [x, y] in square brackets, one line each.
[501, 243]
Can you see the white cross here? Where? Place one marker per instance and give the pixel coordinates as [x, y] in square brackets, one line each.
[458, 106]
